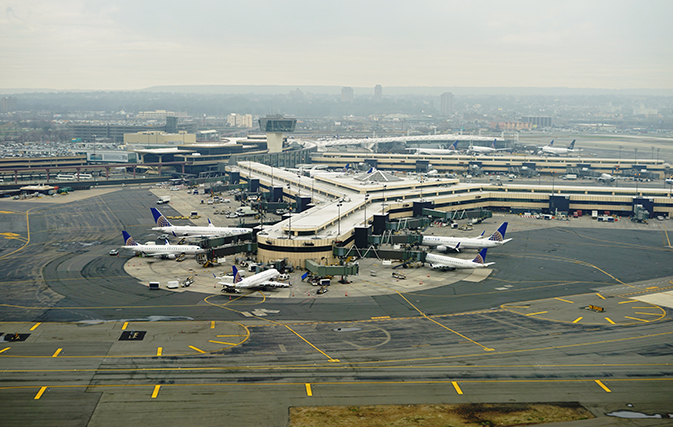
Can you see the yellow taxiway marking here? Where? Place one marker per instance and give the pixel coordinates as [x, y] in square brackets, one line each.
[457, 387]
[329, 358]
[212, 325]
[610, 320]
[652, 287]
[35, 326]
[578, 319]
[380, 317]
[443, 326]
[125, 325]
[533, 314]
[565, 300]
[635, 318]
[309, 392]
[57, 352]
[603, 386]
[196, 349]
[159, 351]
[222, 342]
[155, 393]
[5, 349]
[601, 296]
[39, 393]
[649, 314]
[221, 336]
[626, 302]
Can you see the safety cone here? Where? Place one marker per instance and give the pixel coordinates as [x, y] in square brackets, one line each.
[229, 297]
[346, 293]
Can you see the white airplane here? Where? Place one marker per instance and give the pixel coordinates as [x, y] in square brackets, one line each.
[478, 149]
[451, 150]
[164, 225]
[605, 177]
[669, 181]
[555, 151]
[164, 251]
[444, 244]
[259, 280]
[441, 262]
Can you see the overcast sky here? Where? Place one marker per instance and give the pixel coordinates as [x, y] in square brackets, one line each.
[134, 44]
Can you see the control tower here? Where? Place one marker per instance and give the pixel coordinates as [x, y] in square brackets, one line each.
[275, 126]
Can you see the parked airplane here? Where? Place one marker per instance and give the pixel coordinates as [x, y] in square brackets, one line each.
[441, 262]
[164, 251]
[605, 177]
[165, 226]
[451, 150]
[669, 181]
[259, 280]
[478, 149]
[555, 151]
[444, 244]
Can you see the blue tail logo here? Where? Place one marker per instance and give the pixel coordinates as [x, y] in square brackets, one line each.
[499, 234]
[481, 257]
[128, 240]
[160, 219]
[237, 275]
[453, 146]
[572, 145]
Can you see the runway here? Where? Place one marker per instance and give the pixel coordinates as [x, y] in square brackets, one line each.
[465, 342]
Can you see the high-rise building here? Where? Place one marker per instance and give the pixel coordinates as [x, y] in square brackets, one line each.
[539, 121]
[8, 104]
[446, 104]
[378, 93]
[346, 94]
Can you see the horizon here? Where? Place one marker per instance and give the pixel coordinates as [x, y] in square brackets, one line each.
[78, 45]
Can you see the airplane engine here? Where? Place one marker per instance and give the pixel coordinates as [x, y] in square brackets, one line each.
[442, 248]
[170, 256]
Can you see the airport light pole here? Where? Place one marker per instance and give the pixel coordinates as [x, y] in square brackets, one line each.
[383, 203]
[366, 200]
[339, 218]
[289, 209]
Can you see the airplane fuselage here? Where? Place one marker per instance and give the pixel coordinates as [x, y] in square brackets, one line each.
[188, 230]
[440, 262]
[165, 249]
[465, 243]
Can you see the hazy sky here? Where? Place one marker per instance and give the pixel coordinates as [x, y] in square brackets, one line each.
[133, 44]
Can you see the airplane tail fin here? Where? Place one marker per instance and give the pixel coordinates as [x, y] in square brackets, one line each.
[481, 257]
[572, 145]
[453, 146]
[161, 220]
[493, 144]
[551, 143]
[237, 275]
[371, 170]
[210, 224]
[128, 240]
[499, 234]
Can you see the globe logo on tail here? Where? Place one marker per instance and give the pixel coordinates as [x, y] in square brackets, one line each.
[478, 259]
[163, 222]
[497, 237]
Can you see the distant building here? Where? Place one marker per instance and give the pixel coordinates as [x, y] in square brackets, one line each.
[239, 120]
[511, 126]
[539, 121]
[159, 114]
[8, 104]
[159, 139]
[171, 124]
[446, 104]
[347, 94]
[378, 93]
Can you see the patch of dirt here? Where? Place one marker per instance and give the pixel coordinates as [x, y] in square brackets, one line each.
[456, 415]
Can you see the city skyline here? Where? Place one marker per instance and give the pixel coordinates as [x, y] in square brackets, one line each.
[95, 45]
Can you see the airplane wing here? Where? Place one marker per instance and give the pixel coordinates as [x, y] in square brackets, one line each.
[273, 284]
